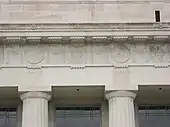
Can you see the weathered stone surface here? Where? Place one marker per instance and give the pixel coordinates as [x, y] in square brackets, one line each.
[91, 53]
[82, 11]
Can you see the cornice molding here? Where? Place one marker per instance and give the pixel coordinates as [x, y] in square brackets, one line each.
[84, 26]
[94, 32]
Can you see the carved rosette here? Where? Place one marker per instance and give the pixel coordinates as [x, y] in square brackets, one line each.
[119, 53]
[1, 54]
[158, 52]
[34, 54]
[77, 54]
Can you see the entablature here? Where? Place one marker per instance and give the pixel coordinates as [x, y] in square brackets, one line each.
[75, 45]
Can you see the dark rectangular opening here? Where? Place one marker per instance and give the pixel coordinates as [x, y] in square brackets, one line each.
[157, 16]
[8, 117]
[78, 116]
[154, 115]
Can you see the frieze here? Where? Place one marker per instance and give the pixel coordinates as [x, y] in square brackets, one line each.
[78, 55]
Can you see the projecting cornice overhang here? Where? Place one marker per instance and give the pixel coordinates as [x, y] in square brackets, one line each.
[94, 32]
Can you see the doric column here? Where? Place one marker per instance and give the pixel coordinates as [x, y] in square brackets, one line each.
[121, 108]
[35, 109]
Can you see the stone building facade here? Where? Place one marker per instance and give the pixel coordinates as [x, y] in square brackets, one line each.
[96, 63]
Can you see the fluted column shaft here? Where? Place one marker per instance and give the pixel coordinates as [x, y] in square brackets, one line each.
[35, 109]
[121, 108]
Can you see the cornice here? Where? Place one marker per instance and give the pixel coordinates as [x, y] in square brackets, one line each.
[94, 32]
[83, 26]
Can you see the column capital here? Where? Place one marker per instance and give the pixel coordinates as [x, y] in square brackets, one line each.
[35, 94]
[120, 94]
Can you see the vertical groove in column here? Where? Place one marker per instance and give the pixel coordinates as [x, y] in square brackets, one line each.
[40, 123]
[23, 114]
[111, 113]
[42, 113]
[34, 114]
[46, 114]
[39, 115]
[128, 113]
[124, 109]
[33, 104]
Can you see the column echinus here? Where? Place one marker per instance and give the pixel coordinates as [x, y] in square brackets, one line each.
[35, 109]
[121, 108]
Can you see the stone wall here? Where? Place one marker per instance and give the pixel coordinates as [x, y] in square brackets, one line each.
[55, 11]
